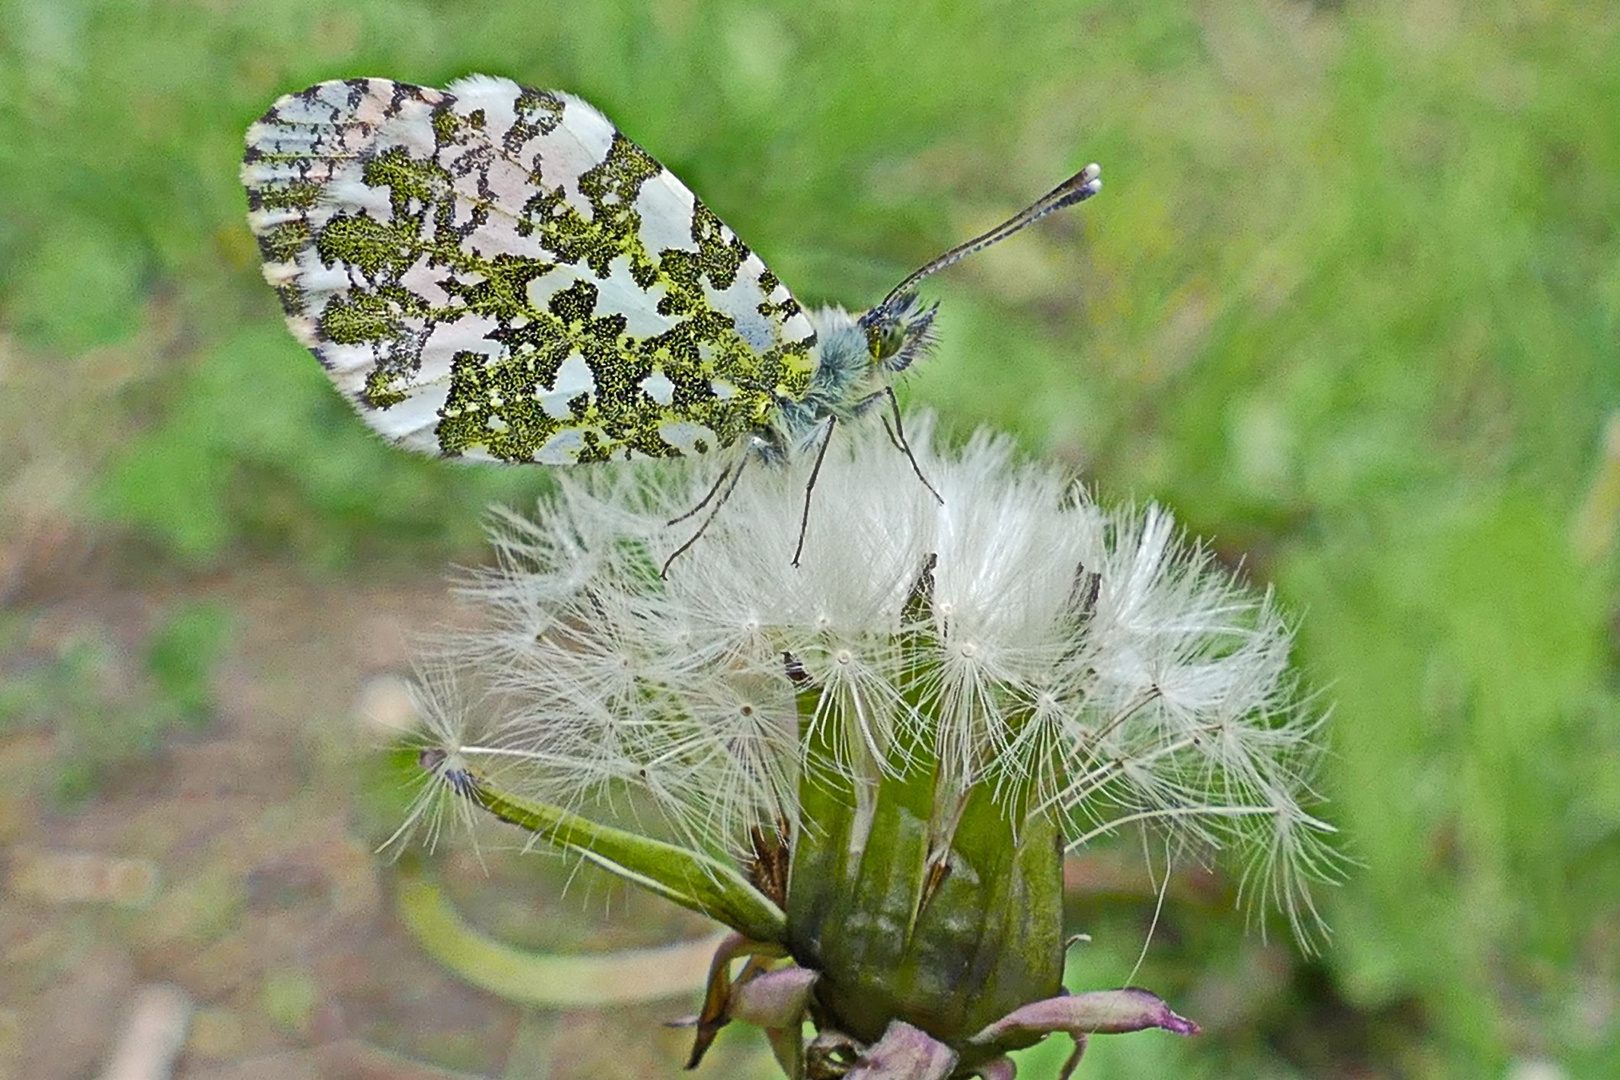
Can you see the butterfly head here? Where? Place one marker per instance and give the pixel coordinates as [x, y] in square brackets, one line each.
[898, 331]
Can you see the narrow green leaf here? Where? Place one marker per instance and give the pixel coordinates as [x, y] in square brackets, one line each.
[553, 980]
[691, 879]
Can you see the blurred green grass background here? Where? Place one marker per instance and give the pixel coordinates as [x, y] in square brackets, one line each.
[1349, 303]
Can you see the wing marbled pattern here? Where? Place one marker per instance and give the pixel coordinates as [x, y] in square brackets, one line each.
[496, 272]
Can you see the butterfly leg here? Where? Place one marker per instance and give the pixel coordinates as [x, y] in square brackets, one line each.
[701, 503]
[733, 476]
[897, 435]
[810, 486]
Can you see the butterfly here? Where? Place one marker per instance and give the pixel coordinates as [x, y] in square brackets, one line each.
[492, 272]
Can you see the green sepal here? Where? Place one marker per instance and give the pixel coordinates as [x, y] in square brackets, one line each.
[947, 922]
[950, 951]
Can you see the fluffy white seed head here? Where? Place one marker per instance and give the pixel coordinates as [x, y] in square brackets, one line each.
[1082, 661]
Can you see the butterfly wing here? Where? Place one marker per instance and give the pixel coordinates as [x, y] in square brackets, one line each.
[496, 272]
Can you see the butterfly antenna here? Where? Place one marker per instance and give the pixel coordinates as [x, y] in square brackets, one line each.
[1077, 188]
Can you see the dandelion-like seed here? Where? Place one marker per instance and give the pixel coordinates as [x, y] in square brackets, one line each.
[872, 763]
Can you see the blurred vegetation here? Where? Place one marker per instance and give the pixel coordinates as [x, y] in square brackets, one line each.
[1350, 303]
[104, 707]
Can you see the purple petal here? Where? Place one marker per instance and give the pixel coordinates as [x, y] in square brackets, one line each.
[775, 999]
[904, 1053]
[1096, 1012]
[1001, 1068]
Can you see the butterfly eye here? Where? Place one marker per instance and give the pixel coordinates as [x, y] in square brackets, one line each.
[887, 339]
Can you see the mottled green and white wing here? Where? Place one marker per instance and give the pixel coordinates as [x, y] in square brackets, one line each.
[496, 272]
